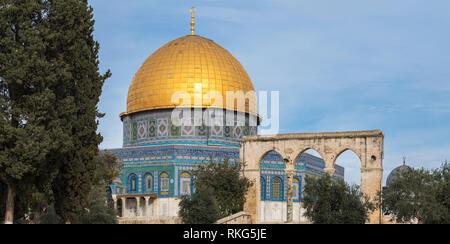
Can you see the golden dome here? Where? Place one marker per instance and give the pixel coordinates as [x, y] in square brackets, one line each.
[180, 66]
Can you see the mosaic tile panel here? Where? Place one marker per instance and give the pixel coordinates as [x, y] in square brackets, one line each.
[238, 132]
[151, 128]
[217, 131]
[228, 131]
[163, 128]
[246, 130]
[142, 130]
[174, 130]
[201, 130]
[134, 131]
[187, 130]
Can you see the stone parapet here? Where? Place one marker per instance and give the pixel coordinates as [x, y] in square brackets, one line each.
[238, 218]
[321, 135]
[150, 220]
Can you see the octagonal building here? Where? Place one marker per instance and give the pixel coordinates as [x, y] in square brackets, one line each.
[188, 104]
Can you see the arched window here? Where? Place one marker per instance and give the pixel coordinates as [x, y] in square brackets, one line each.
[164, 183]
[295, 189]
[133, 183]
[185, 182]
[263, 189]
[148, 183]
[276, 189]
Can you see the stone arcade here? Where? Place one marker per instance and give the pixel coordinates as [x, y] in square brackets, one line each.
[368, 145]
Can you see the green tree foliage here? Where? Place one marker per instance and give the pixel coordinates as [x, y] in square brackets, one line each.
[200, 208]
[419, 195]
[80, 83]
[228, 186]
[333, 201]
[101, 207]
[49, 90]
[107, 168]
[100, 210]
[27, 110]
[2, 201]
[49, 216]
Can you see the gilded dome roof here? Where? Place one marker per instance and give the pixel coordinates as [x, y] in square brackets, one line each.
[181, 66]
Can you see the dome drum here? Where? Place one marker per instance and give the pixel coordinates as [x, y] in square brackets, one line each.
[155, 127]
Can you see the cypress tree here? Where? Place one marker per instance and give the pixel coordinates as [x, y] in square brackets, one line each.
[49, 89]
[79, 85]
[26, 102]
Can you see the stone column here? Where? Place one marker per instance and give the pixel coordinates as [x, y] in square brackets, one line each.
[146, 206]
[329, 164]
[253, 195]
[329, 171]
[250, 154]
[155, 207]
[124, 207]
[115, 204]
[290, 209]
[138, 206]
[371, 179]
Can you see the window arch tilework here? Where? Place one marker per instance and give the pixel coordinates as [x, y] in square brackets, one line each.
[277, 189]
[185, 183]
[132, 183]
[185, 175]
[147, 184]
[164, 184]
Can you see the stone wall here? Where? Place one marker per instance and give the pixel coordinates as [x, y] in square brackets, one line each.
[238, 218]
[276, 212]
[151, 220]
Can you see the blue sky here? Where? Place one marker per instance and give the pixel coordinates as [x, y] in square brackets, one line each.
[339, 65]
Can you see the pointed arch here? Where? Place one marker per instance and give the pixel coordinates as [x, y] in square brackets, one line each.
[164, 183]
[270, 152]
[346, 149]
[186, 186]
[311, 160]
[147, 183]
[312, 151]
[272, 159]
[132, 183]
[351, 161]
[369, 144]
